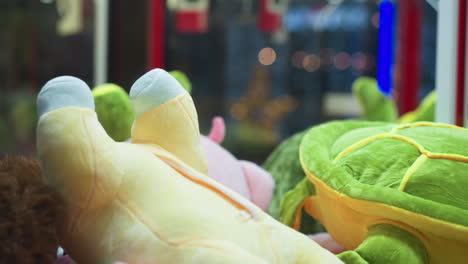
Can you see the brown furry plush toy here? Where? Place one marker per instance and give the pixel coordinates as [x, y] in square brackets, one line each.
[27, 213]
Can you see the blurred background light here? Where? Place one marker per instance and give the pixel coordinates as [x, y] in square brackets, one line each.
[267, 56]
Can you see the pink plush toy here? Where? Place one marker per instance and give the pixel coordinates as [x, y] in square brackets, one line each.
[244, 177]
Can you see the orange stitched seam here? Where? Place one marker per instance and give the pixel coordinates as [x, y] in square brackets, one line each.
[204, 184]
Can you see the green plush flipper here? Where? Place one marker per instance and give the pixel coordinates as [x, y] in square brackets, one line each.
[375, 106]
[386, 244]
[425, 111]
[284, 165]
[114, 110]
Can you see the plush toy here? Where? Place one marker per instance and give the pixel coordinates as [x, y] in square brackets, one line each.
[149, 201]
[424, 112]
[115, 113]
[244, 177]
[182, 79]
[283, 163]
[376, 107]
[285, 167]
[388, 193]
[27, 211]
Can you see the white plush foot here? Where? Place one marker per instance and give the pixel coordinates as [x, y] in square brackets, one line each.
[153, 89]
[64, 91]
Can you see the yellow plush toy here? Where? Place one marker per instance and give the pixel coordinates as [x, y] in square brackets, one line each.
[150, 201]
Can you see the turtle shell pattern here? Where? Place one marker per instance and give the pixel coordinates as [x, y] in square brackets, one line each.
[364, 173]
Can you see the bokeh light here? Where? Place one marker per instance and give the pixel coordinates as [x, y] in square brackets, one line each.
[311, 62]
[342, 61]
[375, 20]
[267, 56]
[326, 56]
[297, 58]
[359, 61]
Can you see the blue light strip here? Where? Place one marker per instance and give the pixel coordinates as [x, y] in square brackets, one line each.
[386, 47]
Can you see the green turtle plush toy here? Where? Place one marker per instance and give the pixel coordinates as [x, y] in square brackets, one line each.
[112, 101]
[374, 105]
[283, 162]
[389, 193]
[377, 107]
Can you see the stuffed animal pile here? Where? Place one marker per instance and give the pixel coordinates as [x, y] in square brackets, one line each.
[150, 200]
[129, 178]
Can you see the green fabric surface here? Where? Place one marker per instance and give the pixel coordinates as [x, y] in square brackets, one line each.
[284, 166]
[356, 135]
[114, 110]
[293, 199]
[316, 153]
[424, 112]
[375, 106]
[386, 170]
[439, 180]
[435, 140]
[387, 244]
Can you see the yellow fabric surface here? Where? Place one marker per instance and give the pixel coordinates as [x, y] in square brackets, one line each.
[173, 126]
[140, 204]
[347, 220]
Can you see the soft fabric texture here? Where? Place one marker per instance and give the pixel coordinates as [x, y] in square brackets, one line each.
[244, 177]
[175, 130]
[115, 112]
[116, 115]
[377, 107]
[144, 99]
[424, 112]
[218, 130]
[260, 183]
[27, 212]
[182, 78]
[385, 244]
[374, 105]
[147, 203]
[284, 166]
[411, 176]
[224, 167]
[327, 242]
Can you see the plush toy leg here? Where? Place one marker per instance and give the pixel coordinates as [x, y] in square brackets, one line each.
[166, 116]
[386, 244]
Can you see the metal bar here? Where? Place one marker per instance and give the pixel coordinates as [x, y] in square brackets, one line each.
[434, 4]
[465, 118]
[409, 54]
[156, 33]
[461, 64]
[446, 61]
[101, 36]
